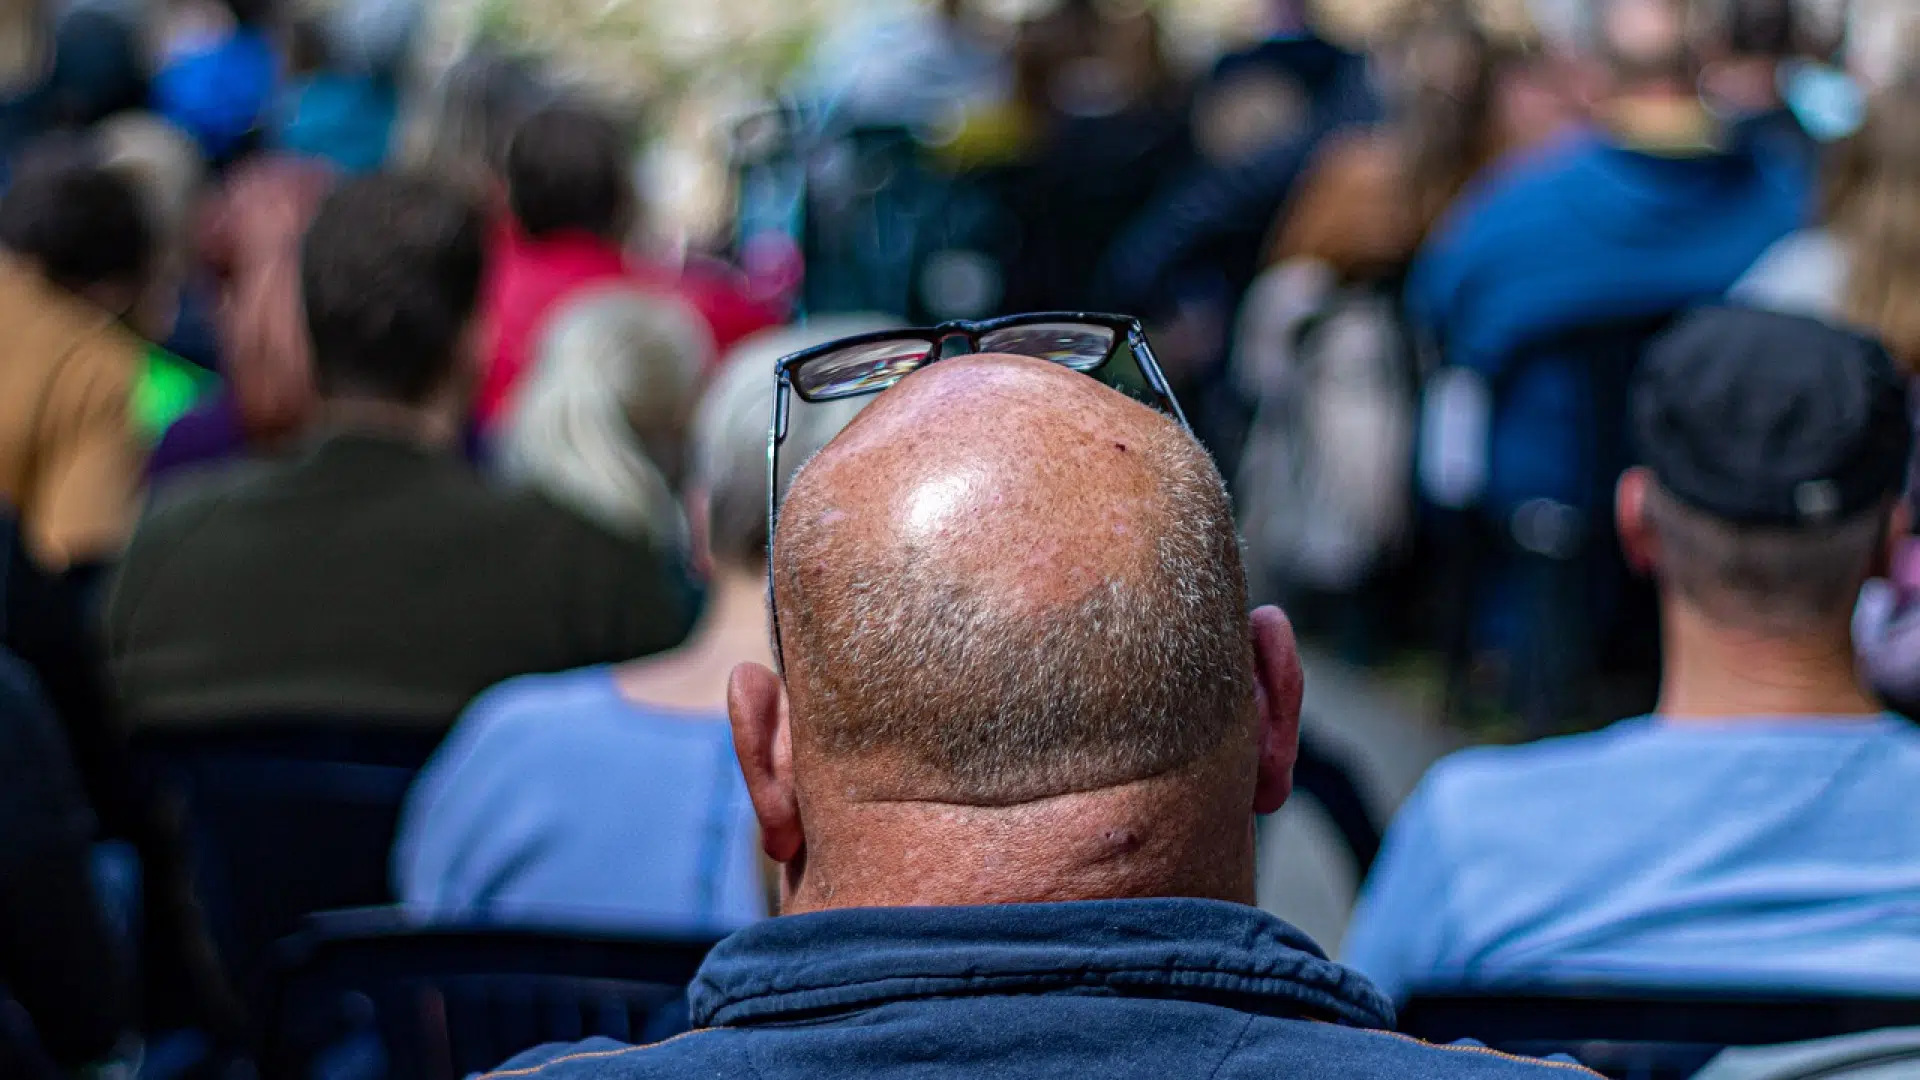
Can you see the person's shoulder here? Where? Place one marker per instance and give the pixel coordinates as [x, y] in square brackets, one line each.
[604, 1059]
[105, 355]
[1532, 180]
[1291, 1048]
[562, 536]
[532, 702]
[529, 510]
[1513, 210]
[1903, 735]
[192, 496]
[1405, 1056]
[1802, 274]
[516, 730]
[1503, 775]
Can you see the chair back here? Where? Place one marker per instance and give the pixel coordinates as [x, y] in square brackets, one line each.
[1634, 1034]
[1583, 612]
[401, 1002]
[282, 820]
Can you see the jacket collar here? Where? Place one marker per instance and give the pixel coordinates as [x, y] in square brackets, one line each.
[837, 961]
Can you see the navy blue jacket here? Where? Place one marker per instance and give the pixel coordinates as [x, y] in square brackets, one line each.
[1155, 989]
[1579, 236]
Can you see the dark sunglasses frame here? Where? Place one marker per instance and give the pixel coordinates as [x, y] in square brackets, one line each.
[1126, 331]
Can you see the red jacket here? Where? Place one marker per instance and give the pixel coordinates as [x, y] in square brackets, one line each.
[530, 277]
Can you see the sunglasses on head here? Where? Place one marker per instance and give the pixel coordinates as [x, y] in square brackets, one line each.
[1112, 349]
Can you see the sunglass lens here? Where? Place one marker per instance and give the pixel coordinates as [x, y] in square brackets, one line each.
[1080, 346]
[860, 369]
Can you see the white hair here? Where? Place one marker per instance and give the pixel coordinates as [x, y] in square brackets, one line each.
[600, 422]
[736, 414]
[462, 116]
[161, 162]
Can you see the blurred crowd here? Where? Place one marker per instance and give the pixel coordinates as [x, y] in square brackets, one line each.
[351, 404]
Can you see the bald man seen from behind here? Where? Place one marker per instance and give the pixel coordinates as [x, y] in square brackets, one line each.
[1012, 769]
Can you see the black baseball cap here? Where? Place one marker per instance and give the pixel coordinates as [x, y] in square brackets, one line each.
[1765, 419]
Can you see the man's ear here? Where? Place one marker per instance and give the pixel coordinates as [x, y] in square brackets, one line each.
[1638, 540]
[699, 535]
[763, 740]
[1278, 688]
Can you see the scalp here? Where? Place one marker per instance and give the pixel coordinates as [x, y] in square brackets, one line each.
[1005, 577]
[1011, 471]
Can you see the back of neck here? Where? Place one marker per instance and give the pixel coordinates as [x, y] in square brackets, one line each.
[1118, 843]
[1716, 672]
[732, 631]
[435, 424]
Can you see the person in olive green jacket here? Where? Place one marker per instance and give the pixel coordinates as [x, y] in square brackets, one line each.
[375, 578]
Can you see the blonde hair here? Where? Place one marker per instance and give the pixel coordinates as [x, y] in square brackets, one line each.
[1872, 205]
[600, 423]
[731, 428]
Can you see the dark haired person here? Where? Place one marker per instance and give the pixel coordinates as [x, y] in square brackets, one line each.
[375, 575]
[569, 174]
[1013, 791]
[77, 267]
[1754, 833]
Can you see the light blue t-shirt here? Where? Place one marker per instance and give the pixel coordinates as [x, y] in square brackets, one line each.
[1746, 854]
[557, 802]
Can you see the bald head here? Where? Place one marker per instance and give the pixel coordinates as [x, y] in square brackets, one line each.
[1005, 582]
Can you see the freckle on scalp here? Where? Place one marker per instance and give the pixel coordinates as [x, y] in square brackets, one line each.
[1120, 446]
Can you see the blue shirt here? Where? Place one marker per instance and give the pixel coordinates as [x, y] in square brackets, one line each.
[1115, 989]
[345, 120]
[558, 802]
[1745, 854]
[218, 90]
[1585, 235]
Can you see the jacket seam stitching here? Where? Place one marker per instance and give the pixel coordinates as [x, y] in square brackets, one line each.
[1233, 1047]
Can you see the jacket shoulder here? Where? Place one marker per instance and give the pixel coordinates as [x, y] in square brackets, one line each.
[605, 1059]
[1307, 1048]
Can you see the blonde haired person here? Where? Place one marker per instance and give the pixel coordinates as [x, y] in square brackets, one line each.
[610, 797]
[1861, 265]
[601, 422]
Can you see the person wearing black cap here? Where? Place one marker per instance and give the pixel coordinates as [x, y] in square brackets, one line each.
[1755, 832]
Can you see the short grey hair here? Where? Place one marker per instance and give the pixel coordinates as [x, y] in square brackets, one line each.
[1764, 579]
[601, 420]
[1147, 673]
[460, 121]
[731, 427]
